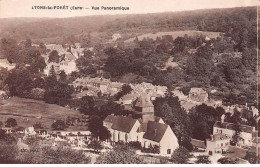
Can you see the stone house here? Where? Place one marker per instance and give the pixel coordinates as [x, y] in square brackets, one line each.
[218, 144]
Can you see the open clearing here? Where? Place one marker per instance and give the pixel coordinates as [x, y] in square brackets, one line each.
[175, 34]
[28, 111]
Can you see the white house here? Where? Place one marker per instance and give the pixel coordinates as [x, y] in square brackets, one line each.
[248, 133]
[149, 130]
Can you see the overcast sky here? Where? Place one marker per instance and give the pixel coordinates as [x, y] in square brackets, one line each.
[23, 8]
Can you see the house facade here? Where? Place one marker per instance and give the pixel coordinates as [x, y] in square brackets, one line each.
[218, 144]
[247, 134]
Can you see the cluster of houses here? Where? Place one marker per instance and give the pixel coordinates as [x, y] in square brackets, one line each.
[105, 87]
[197, 96]
[147, 89]
[68, 56]
[220, 141]
[94, 86]
[144, 127]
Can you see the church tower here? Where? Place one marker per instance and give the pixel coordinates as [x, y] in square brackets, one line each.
[145, 107]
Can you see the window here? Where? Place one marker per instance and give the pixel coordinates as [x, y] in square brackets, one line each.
[169, 151]
[221, 144]
[126, 137]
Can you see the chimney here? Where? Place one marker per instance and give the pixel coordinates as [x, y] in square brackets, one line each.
[222, 118]
[211, 137]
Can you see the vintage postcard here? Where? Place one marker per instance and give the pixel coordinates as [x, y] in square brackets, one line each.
[129, 82]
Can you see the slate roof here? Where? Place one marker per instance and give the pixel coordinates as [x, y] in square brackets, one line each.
[220, 136]
[109, 119]
[142, 127]
[123, 124]
[155, 131]
[226, 125]
[69, 56]
[198, 143]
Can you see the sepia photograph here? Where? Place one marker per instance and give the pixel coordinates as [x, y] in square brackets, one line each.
[129, 82]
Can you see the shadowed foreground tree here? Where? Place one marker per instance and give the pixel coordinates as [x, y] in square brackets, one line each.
[58, 125]
[97, 129]
[181, 156]
[226, 160]
[120, 155]
[202, 159]
[251, 158]
[96, 145]
[47, 155]
[10, 122]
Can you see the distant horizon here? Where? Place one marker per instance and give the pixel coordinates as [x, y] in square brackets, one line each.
[49, 17]
[23, 8]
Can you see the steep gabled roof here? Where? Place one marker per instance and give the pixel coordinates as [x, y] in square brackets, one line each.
[109, 119]
[155, 131]
[123, 124]
[70, 56]
[142, 127]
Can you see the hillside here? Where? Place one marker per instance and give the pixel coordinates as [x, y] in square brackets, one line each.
[29, 111]
[214, 20]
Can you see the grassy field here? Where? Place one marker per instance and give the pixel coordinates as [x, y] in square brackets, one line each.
[28, 111]
[174, 34]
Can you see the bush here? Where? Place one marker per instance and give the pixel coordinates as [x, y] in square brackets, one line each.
[135, 144]
[226, 160]
[181, 156]
[202, 159]
[152, 149]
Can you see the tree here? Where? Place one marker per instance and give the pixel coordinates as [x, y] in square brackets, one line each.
[227, 160]
[96, 145]
[38, 125]
[180, 156]
[87, 105]
[58, 125]
[125, 90]
[8, 153]
[10, 122]
[9, 48]
[54, 57]
[120, 155]
[48, 155]
[43, 48]
[251, 157]
[202, 159]
[28, 43]
[52, 71]
[97, 129]
[63, 76]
